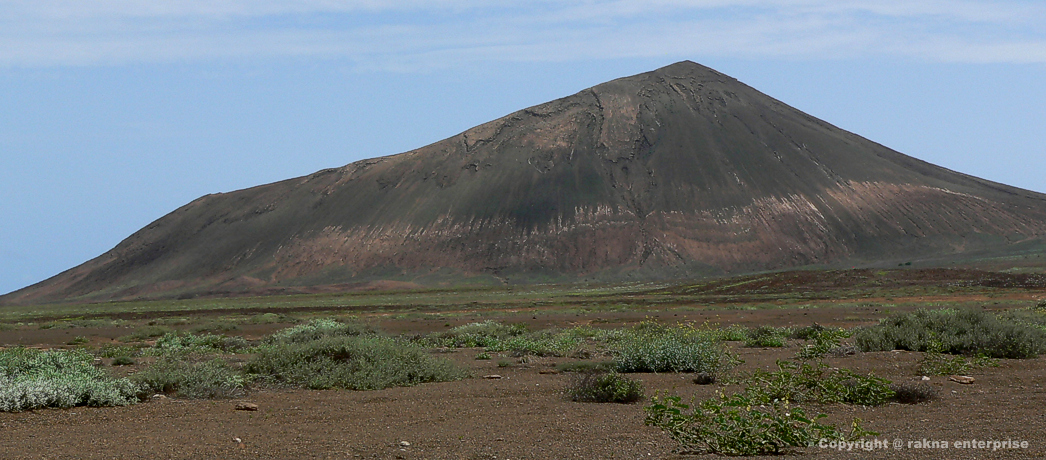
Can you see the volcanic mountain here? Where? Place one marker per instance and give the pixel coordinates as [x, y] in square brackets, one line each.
[678, 172]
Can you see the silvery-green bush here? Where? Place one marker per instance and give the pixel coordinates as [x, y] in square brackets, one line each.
[318, 329]
[650, 347]
[34, 379]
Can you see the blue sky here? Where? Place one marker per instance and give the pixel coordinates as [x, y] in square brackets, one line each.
[116, 112]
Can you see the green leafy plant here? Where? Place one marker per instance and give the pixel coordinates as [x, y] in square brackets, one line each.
[817, 382]
[738, 425]
[604, 387]
[935, 363]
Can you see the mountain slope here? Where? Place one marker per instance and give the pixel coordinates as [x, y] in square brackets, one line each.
[676, 172]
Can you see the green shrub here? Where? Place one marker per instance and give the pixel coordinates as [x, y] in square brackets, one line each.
[734, 333]
[913, 392]
[1034, 316]
[185, 377]
[174, 343]
[604, 387]
[704, 378]
[146, 333]
[826, 341]
[765, 336]
[806, 382]
[357, 362]
[737, 425]
[318, 329]
[271, 318]
[653, 348]
[960, 332]
[123, 361]
[549, 342]
[486, 334]
[806, 332]
[215, 326]
[113, 351]
[585, 366]
[33, 379]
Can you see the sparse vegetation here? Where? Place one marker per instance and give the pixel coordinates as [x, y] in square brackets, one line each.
[215, 326]
[604, 387]
[271, 318]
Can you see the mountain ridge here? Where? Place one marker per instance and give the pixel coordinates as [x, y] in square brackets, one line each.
[681, 171]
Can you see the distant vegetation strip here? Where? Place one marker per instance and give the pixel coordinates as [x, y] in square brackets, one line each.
[327, 353]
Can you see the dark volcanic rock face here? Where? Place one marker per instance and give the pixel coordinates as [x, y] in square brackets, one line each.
[677, 172]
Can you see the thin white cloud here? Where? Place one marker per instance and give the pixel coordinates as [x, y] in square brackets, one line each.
[426, 33]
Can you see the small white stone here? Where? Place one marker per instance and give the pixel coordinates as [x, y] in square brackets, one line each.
[404, 443]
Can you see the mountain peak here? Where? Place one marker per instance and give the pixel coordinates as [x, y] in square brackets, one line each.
[678, 172]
